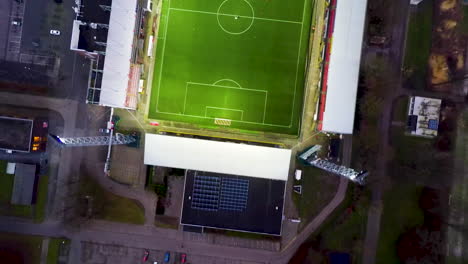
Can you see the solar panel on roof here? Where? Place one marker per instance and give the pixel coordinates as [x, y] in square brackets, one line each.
[234, 194]
[205, 195]
[433, 124]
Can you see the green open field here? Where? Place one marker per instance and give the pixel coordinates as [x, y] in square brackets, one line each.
[241, 62]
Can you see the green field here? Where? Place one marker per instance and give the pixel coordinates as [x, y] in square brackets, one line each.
[240, 63]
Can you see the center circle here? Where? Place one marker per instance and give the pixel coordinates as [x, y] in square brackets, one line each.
[235, 16]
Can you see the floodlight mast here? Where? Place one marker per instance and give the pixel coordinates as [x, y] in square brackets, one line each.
[309, 157]
[118, 139]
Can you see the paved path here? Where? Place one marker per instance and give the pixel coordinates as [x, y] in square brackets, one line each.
[44, 250]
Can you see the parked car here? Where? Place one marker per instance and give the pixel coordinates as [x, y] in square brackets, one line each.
[167, 257]
[145, 256]
[183, 258]
[55, 32]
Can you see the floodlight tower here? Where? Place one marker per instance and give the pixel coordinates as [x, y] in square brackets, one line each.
[309, 157]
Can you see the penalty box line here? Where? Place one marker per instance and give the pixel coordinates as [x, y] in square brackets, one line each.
[222, 108]
[227, 87]
[203, 117]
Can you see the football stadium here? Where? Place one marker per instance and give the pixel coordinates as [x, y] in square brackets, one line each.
[232, 63]
[248, 66]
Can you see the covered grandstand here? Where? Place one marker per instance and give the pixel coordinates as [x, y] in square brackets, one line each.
[342, 59]
[228, 185]
[107, 32]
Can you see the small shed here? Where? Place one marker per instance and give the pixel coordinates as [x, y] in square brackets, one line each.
[24, 184]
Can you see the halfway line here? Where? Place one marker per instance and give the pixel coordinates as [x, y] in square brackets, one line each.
[231, 15]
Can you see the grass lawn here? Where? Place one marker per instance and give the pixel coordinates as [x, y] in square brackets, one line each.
[240, 61]
[346, 233]
[345, 229]
[41, 199]
[28, 248]
[464, 25]
[54, 249]
[401, 212]
[111, 207]
[418, 44]
[35, 211]
[6, 183]
[400, 111]
[318, 188]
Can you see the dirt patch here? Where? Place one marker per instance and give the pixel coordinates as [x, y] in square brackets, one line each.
[439, 69]
[460, 62]
[446, 5]
[446, 61]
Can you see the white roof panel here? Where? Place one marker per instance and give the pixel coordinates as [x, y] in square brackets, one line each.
[343, 73]
[115, 79]
[215, 156]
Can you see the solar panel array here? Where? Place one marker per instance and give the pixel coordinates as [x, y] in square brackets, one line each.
[234, 193]
[211, 193]
[205, 195]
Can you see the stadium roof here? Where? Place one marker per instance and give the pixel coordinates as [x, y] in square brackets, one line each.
[23, 187]
[233, 202]
[116, 76]
[218, 157]
[343, 69]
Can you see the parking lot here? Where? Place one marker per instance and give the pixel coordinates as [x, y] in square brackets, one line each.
[45, 59]
[93, 253]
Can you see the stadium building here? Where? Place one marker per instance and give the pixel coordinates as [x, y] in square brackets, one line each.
[110, 34]
[342, 58]
[232, 185]
[228, 185]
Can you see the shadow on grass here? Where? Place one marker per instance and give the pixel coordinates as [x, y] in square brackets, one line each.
[108, 206]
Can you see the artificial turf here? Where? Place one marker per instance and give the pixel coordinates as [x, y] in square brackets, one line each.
[240, 60]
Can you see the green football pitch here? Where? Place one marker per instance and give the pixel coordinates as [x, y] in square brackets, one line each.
[232, 63]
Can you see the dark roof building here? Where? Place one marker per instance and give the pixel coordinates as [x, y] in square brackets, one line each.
[233, 202]
[23, 134]
[24, 185]
[15, 133]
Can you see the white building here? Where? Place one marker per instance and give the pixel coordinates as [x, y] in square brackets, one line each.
[342, 62]
[108, 32]
[423, 116]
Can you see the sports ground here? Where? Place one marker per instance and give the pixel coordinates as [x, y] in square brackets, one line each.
[232, 63]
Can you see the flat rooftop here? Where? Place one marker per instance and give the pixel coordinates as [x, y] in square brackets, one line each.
[15, 133]
[233, 202]
[23, 187]
[217, 157]
[423, 116]
[92, 15]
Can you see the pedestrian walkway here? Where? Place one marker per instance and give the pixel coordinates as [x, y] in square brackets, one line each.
[44, 250]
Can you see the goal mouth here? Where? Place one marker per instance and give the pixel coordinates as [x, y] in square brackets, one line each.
[222, 121]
